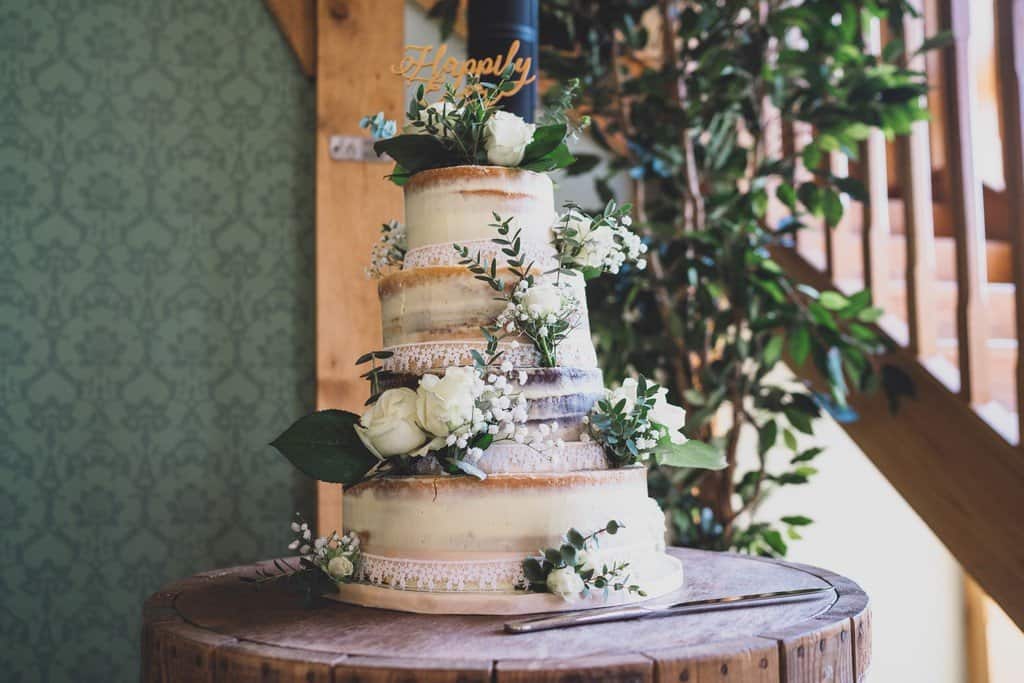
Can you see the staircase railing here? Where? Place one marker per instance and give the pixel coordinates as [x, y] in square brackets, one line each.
[953, 452]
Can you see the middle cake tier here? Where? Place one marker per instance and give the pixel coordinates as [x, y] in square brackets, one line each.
[431, 318]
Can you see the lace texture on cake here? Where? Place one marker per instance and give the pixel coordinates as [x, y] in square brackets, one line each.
[441, 576]
[543, 255]
[505, 458]
[420, 356]
[477, 576]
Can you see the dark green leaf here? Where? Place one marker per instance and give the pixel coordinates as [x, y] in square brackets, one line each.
[325, 446]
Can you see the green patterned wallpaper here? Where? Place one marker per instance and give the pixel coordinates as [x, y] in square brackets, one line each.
[156, 303]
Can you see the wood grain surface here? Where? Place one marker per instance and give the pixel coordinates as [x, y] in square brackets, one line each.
[357, 42]
[215, 627]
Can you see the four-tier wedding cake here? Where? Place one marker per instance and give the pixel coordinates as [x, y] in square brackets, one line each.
[457, 542]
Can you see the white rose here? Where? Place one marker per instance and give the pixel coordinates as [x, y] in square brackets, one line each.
[340, 567]
[565, 583]
[672, 417]
[669, 416]
[506, 137]
[599, 243]
[445, 404]
[389, 426]
[542, 300]
[627, 390]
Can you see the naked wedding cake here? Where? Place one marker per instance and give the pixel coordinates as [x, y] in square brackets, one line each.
[492, 472]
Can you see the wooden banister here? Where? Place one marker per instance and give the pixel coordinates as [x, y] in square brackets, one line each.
[1010, 56]
[914, 161]
[965, 198]
[876, 231]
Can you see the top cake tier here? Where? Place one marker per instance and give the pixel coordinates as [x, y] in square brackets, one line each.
[457, 204]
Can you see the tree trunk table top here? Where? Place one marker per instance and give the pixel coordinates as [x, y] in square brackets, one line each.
[216, 627]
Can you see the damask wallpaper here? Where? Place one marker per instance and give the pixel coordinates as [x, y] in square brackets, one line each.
[156, 298]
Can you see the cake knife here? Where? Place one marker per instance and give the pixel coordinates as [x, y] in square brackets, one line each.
[600, 616]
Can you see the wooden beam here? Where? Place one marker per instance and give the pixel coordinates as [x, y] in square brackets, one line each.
[915, 167]
[356, 48]
[1010, 23]
[965, 196]
[962, 478]
[297, 21]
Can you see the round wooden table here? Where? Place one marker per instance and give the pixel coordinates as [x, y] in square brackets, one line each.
[216, 627]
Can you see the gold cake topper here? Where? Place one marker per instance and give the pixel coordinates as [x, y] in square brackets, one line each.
[422, 64]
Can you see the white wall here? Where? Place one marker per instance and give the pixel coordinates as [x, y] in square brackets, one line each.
[864, 530]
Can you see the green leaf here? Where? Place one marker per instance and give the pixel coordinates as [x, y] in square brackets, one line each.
[799, 344]
[533, 571]
[576, 538]
[935, 42]
[415, 152]
[693, 453]
[774, 540]
[832, 205]
[870, 315]
[773, 349]
[766, 435]
[807, 455]
[545, 140]
[833, 301]
[324, 445]
[797, 520]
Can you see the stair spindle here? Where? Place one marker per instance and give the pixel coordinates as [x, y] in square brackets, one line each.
[1010, 56]
[876, 231]
[965, 199]
[915, 170]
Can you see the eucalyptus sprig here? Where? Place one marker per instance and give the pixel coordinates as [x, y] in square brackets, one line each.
[571, 572]
[376, 374]
[631, 424]
[322, 562]
[545, 313]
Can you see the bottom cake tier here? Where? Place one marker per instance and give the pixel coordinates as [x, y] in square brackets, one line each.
[443, 544]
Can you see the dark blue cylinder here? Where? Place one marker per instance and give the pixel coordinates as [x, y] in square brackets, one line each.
[493, 26]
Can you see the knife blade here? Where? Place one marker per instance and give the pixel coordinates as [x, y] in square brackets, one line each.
[630, 612]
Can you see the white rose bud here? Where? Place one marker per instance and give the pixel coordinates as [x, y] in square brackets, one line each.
[340, 567]
[669, 416]
[543, 300]
[389, 426]
[506, 137]
[445, 404]
[565, 583]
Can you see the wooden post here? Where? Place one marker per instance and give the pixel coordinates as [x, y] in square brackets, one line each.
[916, 170]
[965, 196]
[357, 42]
[1010, 45]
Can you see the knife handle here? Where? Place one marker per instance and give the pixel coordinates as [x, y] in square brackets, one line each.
[597, 616]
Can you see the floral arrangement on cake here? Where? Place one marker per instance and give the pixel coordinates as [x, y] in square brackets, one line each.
[465, 127]
[574, 569]
[330, 559]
